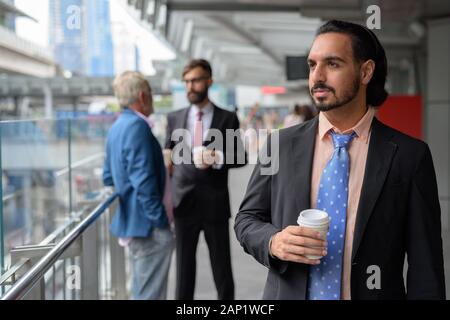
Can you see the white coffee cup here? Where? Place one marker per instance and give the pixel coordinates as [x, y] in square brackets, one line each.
[197, 153]
[317, 220]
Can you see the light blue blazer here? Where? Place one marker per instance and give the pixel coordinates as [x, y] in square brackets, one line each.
[134, 165]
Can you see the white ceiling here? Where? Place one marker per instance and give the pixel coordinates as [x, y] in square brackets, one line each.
[247, 41]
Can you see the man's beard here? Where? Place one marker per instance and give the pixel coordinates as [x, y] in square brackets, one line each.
[348, 96]
[196, 97]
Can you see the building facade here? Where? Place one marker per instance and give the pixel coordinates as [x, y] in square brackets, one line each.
[80, 36]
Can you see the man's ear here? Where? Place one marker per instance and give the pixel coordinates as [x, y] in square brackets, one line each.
[141, 97]
[210, 82]
[367, 71]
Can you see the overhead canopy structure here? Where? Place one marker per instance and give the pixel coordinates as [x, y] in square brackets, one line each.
[20, 86]
[248, 41]
[11, 9]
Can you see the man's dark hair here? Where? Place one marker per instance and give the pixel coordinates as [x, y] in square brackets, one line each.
[365, 45]
[202, 63]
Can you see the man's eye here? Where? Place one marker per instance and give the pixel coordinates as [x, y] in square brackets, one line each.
[333, 64]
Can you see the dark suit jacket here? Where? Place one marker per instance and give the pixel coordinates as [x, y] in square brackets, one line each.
[398, 214]
[190, 184]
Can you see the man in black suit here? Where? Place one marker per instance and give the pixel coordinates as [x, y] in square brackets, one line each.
[392, 209]
[200, 191]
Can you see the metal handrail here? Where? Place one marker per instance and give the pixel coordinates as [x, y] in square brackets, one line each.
[29, 279]
[12, 195]
[61, 172]
[75, 217]
[80, 163]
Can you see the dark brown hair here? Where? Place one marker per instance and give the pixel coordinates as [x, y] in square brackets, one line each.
[365, 46]
[202, 63]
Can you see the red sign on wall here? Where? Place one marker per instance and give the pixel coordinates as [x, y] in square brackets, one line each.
[273, 90]
[404, 113]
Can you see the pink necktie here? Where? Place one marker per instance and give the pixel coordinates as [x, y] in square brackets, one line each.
[198, 131]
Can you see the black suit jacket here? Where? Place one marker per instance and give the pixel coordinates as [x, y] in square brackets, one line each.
[196, 190]
[398, 215]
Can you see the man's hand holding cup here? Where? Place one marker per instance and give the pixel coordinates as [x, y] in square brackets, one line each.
[305, 243]
[204, 158]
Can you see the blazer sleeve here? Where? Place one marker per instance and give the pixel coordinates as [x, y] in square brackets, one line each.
[141, 167]
[240, 157]
[425, 279]
[253, 225]
[168, 143]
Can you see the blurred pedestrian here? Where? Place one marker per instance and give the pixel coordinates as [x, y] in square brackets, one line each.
[200, 191]
[300, 114]
[134, 165]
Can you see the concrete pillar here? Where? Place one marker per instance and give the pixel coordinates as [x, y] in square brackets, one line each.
[48, 101]
[16, 106]
[75, 104]
[437, 120]
[24, 108]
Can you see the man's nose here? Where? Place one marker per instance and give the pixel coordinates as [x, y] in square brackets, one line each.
[318, 75]
[188, 85]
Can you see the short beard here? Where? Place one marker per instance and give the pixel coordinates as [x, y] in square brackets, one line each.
[348, 96]
[198, 97]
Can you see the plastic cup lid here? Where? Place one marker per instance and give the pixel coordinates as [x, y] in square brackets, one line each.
[314, 216]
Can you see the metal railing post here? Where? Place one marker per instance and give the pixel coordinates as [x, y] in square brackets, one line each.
[37, 272]
[2, 227]
[89, 264]
[118, 272]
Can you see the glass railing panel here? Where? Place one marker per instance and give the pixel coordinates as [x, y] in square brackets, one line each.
[34, 200]
[87, 140]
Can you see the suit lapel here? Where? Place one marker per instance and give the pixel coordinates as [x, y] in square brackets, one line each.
[379, 159]
[301, 162]
[215, 124]
[184, 118]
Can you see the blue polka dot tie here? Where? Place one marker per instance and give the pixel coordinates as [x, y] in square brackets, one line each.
[325, 279]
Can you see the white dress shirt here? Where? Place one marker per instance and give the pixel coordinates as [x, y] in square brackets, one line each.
[208, 113]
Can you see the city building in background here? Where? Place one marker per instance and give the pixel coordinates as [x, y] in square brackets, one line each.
[80, 36]
[66, 41]
[126, 51]
[99, 51]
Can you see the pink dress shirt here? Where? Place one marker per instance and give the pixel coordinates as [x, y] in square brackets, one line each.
[358, 155]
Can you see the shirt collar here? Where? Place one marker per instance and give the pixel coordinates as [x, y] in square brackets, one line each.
[362, 128]
[140, 115]
[206, 109]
